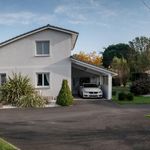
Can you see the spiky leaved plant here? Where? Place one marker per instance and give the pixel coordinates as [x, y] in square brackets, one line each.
[17, 87]
[32, 100]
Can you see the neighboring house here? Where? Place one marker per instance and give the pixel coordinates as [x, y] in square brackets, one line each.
[148, 72]
[44, 55]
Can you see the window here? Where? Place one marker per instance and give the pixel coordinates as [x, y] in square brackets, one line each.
[2, 78]
[42, 48]
[42, 79]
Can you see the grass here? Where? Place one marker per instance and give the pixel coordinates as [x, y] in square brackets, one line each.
[137, 99]
[147, 116]
[6, 146]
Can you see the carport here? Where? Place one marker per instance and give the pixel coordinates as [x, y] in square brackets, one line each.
[86, 73]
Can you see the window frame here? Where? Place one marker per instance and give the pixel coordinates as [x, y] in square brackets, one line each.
[42, 86]
[1, 77]
[42, 55]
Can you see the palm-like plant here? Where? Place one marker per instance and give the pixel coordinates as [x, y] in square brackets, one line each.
[17, 89]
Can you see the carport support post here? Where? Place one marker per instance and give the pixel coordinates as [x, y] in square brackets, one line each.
[109, 96]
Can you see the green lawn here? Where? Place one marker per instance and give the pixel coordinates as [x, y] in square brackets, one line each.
[6, 146]
[148, 116]
[137, 99]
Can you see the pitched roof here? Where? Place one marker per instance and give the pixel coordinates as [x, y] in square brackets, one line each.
[72, 33]
[93, 67]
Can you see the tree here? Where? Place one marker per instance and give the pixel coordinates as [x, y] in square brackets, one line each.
[64, 97]
[120, 66]
[140, 57]
[119, 50]
[140, 44]
[91, 58]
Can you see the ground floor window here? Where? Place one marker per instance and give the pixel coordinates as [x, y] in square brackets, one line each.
[43, 79]
[2, 78]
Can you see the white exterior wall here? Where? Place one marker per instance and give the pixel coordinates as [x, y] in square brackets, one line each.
[107, 86]
[19, 56]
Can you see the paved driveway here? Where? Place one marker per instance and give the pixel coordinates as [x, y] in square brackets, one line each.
[88, 125]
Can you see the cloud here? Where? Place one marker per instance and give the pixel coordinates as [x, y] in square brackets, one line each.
[60, 9]
[103, 24]
[24, 18]
[94, 2]
[87, 12]
[107, 13]
[74, 15]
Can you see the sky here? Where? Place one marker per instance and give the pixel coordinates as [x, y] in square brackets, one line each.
[100, 23]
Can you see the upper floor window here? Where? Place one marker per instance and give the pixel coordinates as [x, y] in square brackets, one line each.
[42, 48]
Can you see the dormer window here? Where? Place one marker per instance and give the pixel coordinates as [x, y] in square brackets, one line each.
[42, 48]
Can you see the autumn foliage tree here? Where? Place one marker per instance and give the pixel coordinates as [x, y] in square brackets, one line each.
[91, 58]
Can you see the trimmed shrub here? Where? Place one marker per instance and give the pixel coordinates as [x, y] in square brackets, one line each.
[65, 97]
[125, 96]
[140, 87]
[121, 96]
[129, 96]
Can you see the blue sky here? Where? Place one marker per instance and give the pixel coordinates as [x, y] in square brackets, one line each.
[99, 22]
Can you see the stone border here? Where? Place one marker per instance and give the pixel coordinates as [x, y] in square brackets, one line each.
[51, 104]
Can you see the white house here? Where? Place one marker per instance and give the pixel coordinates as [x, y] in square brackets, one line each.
[44, 55]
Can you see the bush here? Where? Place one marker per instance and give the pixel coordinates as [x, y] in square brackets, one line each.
[140, 87]
[114, 93]
[129, 96]
[139, 76]
[121, 96]
[115, 81]
[19, 91]
[33, 100]
[65, 97]
[125, 96]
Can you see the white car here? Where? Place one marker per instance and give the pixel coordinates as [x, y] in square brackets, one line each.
[90, 90]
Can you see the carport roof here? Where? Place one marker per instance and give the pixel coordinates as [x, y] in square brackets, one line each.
[92, 67]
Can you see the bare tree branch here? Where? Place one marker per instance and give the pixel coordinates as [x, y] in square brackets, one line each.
[145, 4]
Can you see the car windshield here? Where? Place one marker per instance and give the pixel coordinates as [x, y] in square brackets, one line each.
[90, 85]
